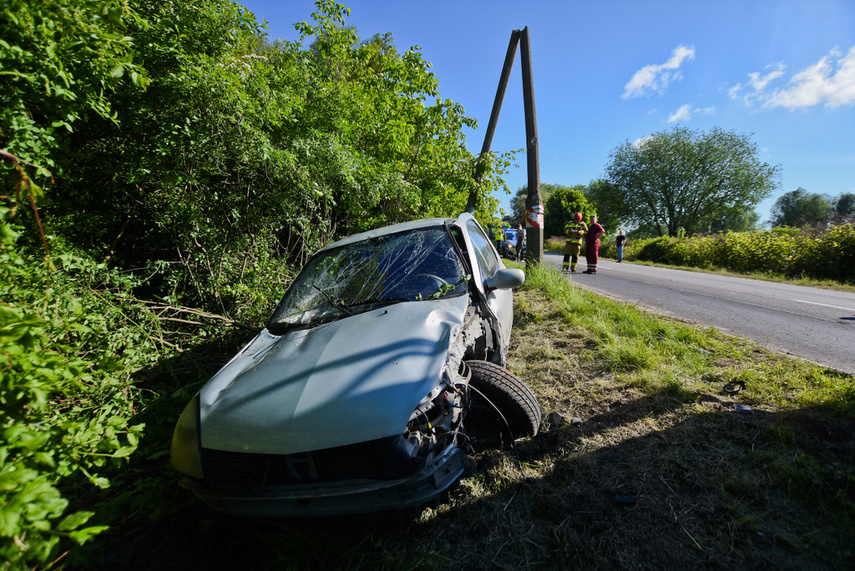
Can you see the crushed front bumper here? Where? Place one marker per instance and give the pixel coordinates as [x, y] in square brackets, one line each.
[339, 498]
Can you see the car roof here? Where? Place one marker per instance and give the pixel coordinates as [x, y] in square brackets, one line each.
[392, 229]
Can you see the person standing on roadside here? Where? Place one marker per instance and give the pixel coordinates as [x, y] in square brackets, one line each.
[592, 244]
[574, 230]
[499, 237]
[619, 241]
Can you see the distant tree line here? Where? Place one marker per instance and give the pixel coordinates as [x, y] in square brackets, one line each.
[800, 208]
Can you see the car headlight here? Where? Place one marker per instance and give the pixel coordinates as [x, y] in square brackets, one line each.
[186, 451]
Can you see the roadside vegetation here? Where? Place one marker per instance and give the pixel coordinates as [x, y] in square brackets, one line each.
[810, 255]
[165, 170]
[795, 253]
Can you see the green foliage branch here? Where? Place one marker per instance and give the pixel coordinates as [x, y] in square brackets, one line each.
[69, 339]
[58, 61]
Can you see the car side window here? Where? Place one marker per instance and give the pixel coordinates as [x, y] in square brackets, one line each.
[483, 250]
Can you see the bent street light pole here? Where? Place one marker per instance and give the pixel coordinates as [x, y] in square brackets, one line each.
[534, 201]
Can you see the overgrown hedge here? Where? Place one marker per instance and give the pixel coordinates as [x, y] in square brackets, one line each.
[792, 252]
[71, 335]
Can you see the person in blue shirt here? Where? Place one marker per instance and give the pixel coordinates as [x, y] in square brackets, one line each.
[619, 242]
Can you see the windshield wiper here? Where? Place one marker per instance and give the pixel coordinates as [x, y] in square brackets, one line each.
[336, 304]
[379, 300]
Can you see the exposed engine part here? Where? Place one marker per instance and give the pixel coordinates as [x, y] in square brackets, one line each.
[436, 423]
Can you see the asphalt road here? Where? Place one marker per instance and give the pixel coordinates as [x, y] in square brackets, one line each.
[815, 324]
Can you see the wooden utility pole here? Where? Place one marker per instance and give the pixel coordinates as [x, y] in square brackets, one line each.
[534, 201]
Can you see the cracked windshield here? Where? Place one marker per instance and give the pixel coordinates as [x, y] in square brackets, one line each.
[409, 266]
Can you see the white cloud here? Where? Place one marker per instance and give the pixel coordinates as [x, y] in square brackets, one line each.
[655, 78]
[821, 83]
[753, 90]
[759, 82]
[685, 113]
[829, 82]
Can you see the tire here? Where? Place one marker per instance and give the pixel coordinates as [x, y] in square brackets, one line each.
[496, 387]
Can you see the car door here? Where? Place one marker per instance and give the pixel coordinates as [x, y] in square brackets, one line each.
[488, 262]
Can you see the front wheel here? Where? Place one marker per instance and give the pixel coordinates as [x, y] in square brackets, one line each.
[501, 403]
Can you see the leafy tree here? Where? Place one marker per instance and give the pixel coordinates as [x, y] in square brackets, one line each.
[607, 205]
[59, 61]
[517, 214]
[243, 156]
[844, 208]
[799, 208]
[680, 178]
[563, 203]
[732, 219]
[163, 184]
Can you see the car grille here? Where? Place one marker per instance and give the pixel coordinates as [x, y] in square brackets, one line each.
[384, 459]
[234, 470]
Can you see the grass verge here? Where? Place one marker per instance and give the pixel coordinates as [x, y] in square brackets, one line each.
[647, 462]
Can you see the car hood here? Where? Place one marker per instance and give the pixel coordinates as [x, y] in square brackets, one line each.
[349, 381]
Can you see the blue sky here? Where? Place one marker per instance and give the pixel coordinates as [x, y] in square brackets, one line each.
[610, 71]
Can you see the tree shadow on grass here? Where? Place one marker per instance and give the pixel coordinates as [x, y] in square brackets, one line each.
[713, 487]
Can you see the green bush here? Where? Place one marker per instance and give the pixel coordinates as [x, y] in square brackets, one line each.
[555, 244]
[792, 252]
[67, 343]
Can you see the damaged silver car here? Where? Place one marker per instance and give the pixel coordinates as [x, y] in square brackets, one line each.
[379, 370]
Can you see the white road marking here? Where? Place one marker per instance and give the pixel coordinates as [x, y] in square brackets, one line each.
[824, 305]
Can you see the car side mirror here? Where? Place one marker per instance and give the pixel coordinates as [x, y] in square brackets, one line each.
[506, 278]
